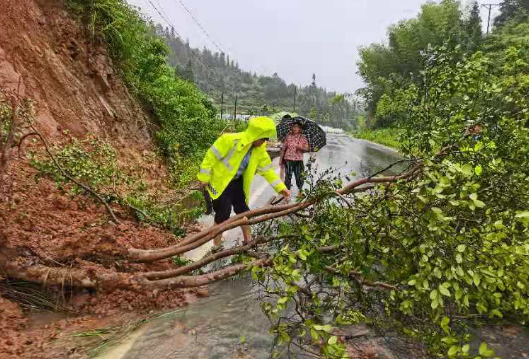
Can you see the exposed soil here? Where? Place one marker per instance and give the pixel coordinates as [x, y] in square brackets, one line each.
[46, 57]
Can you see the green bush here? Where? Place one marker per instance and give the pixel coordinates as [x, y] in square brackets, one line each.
[97, 167]
[186, 119]
[93, 162]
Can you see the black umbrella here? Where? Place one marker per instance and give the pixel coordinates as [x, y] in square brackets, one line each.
[314, 133]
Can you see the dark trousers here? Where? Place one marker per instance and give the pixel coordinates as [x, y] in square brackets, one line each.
[232, 197]
[295, 168]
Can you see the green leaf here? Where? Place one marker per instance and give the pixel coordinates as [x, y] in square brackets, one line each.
[454, 349]
[302, 255]
[479, 204]
[433, 294]
[477, 279]
[496, 313]
[485, 351]
[437, 211]
[444, 291]
[461, 248]
[478, 170]
[523, 216]
[467, 169]
[426, 284]
[314, 334]
[412, 282]
[444, 324]
[332, 340]
[435, 303]
[255, 273]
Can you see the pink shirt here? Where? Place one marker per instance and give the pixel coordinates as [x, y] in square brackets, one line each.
[294, 146]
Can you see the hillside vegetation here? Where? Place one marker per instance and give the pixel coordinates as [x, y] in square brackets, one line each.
[221, 78]
[398, 62]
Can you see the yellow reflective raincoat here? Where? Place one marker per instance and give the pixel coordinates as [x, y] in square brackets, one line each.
[224, 158]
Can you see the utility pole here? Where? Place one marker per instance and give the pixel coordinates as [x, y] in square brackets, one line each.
[221, 105]
[235, 111]
[489, 7]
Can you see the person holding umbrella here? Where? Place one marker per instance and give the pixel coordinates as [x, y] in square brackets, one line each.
[298, 135]
[295, 145]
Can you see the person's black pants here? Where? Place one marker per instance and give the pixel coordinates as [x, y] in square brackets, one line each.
[232, 197]
[295, 168]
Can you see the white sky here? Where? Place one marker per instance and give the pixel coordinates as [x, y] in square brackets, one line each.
[294, 38]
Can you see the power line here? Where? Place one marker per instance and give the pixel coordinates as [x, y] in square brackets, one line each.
[163, 11]
[197, 22]
[209, 71]
[177, 34]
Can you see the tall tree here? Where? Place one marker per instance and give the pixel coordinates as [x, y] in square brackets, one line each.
[510, 9]
[387, 67]
[472, 27]
[188, 72]
[313, 83]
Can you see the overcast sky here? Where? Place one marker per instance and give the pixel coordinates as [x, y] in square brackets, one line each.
[294, 38]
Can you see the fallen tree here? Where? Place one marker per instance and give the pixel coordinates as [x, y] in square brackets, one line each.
[175, 278]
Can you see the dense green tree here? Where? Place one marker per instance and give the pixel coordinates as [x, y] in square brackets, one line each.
[187, 73]
[511, 9]
[472, 27]
[385, 67]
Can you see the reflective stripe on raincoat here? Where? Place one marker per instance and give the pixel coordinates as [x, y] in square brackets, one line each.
[225, 156]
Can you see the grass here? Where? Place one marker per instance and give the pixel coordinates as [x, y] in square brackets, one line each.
[385, 136]
[33, 297]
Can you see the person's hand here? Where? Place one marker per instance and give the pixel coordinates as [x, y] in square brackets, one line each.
[285, 193]
[202, 185]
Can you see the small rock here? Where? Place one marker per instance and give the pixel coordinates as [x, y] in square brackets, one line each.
[203, 292]
[80, 301]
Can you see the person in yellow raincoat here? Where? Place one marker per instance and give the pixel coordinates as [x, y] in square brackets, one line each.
[229, 168]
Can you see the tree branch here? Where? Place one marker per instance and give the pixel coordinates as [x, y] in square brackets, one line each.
[71, 178]
[89, 278]
[253, 217]
[357, 277]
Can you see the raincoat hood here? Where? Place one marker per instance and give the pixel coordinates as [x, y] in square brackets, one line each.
[258, 128]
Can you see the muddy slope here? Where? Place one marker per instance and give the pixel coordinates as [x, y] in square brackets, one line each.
[46, 56]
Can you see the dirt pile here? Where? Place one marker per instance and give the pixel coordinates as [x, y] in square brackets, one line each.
[47, 57]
